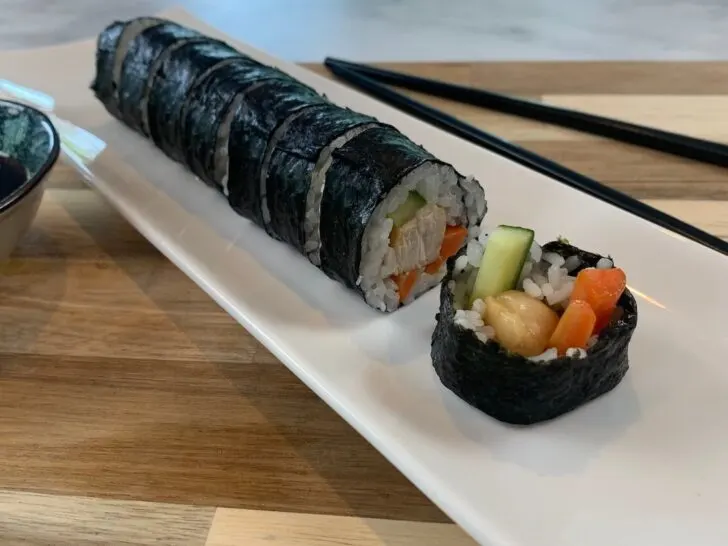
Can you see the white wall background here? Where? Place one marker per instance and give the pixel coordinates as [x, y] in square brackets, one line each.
[309, 30]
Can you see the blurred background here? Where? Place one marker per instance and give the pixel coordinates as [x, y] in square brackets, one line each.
[309, 30]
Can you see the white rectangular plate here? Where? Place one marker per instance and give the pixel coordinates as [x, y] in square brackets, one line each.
[645, 464]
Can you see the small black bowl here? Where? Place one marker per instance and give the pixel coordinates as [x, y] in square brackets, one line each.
[29, 147]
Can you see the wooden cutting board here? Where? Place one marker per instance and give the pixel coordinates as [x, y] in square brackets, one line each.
[133, 410]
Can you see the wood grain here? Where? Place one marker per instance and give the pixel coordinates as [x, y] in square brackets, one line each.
[529, 78]
[251, 528]
[42, 520]
[122, 380]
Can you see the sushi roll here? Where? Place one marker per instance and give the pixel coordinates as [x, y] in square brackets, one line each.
[210, 112]
[391, 214]
[361, 201]
[140, 65]
[294, 175]
[258, 124]
[112, 46]
[527, 333]
[180, 71]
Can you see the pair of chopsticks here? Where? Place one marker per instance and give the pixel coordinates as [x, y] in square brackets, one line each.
[374, 81]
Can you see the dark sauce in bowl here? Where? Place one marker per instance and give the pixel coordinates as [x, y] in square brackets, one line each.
[12, 176]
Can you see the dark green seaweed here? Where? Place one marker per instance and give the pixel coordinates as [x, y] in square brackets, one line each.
[515, 390]
[103, 82]
[362, 173]
[292, 163]
[208, 104]
[135, 72]
[172, 85]
[263, 110]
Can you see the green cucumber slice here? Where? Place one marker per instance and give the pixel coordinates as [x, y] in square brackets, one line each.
[407, 210]
[505, 253]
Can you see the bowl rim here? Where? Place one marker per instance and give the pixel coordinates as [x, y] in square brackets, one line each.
[55, 151]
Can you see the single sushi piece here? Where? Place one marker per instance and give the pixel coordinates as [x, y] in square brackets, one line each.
[178, 73]
[298, 164]
[258, 124]
[528, 333]
[391, 214]
[139, 67]
[153, 71]
[111, 48]
[206, 125]
[103, 85]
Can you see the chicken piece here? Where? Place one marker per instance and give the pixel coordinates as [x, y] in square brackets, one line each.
[522, 323]
[417, 242]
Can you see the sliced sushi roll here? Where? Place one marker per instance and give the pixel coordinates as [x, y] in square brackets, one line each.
[139, 67]
[527, 333]
[361, 201]
[391, 214]
[179, 72]
[111, 49]
[205, 127]
[297, 166]
[258, 124]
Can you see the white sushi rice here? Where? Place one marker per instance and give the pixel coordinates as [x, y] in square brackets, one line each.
[549, 354]
[576, 352]
[605, 263]
[460, 264]
[532, 289]
[438, 184]
[473, 320]
[571, 263]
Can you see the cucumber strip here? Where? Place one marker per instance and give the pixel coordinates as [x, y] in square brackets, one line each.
[500, 268]
[407, 210]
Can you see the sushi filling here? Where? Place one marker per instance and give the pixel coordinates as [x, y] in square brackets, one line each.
[412, 233]
[546, 312]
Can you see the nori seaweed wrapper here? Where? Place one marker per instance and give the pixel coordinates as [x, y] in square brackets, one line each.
[171, 88]
[515, 390]
[140, 57]
[362, 173]
[261, 112]
[103, 82]
[292, 163]
[208, 104]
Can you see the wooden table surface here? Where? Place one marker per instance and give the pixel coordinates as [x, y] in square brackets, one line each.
[133, 410]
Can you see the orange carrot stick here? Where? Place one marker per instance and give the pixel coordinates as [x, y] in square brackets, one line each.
[405, 283]
[601, 289]
[453, 241]
[575, 327]
[434, 267]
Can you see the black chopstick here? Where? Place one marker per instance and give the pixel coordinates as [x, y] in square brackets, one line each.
[697, 149]
[526, 158]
